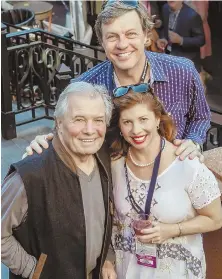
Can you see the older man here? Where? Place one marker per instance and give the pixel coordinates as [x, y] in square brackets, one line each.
[60, 203]
[123, 29]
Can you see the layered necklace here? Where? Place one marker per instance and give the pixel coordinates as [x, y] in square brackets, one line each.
[147, 164]
[142, 78]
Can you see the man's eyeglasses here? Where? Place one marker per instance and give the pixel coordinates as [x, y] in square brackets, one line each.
[127, 3]
[137, 88]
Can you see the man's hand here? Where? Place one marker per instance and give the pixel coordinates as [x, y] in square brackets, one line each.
[108, 271]
[186, 148]
[37, 144]
[159, 233]
[175, 38]
[161, 44]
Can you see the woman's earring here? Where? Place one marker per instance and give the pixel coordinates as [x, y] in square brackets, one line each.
[121, 134]
[158, 127]
[59, 130]
[148, 42]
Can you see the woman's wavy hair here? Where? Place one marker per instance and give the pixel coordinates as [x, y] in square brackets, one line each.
[167, 128]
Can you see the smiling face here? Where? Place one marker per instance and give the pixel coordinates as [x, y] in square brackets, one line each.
[123, 40]
[82, 129]
[138, 126]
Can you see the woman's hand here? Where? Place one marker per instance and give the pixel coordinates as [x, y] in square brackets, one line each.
[37, 144]
[108, 271]
[159, 233]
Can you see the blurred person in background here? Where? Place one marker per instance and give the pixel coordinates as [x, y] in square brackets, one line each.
[154, 14]
[183, 33]
[201, 7]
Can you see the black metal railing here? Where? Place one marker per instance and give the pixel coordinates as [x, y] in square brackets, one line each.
[36, 67]
[214, 136]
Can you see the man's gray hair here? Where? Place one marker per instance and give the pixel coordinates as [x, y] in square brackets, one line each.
[82, 88]
[115, 10]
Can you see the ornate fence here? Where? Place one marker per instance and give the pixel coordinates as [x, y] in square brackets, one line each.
[36, 67]
[214, 136]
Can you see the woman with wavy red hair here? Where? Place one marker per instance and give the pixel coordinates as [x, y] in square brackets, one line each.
[162, 204]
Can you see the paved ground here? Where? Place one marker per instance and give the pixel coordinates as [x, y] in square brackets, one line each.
[12, 150]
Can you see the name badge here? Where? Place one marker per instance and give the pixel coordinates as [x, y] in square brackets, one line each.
[146, 254]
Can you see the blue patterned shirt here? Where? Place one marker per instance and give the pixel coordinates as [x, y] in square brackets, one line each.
[177, 84]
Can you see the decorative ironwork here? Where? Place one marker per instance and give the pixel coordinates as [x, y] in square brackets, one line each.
[36, 65]
[214, 136]
[40, 65]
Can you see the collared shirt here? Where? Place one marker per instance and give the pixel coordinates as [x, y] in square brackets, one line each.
[177, 84]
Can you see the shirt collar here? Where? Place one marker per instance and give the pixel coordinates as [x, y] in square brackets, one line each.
[156, 68]
[64, 155]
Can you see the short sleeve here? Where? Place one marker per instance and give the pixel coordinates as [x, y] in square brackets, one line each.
[204, 188]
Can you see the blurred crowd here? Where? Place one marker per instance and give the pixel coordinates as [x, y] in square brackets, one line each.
[181, 28]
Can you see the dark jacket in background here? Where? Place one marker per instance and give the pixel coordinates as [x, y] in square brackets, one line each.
[155, 9]
[55, 224]
[189, 25]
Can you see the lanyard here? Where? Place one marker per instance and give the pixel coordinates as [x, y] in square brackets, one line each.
[172, 25]
[150, 192]
[142, 78]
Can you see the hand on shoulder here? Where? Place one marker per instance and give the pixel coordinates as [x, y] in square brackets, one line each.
[187, 148]
[40, 142]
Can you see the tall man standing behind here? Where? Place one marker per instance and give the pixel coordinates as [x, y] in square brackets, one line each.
[59, 203]
[183, 33]
[123, 29]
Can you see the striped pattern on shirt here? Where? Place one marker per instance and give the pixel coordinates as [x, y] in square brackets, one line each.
[177, 84]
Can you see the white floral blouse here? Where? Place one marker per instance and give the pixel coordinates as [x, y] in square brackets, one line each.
[183, 187]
